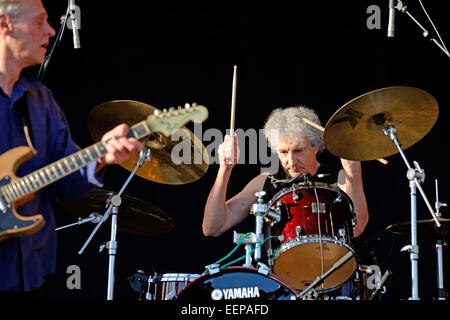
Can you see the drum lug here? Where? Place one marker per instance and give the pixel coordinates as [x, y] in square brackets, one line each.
[298, 231]
[263, 269]
[342, 233]
[270, 257]
[213, 268]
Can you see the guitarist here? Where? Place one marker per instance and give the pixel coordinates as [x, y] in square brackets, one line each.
[25, 262]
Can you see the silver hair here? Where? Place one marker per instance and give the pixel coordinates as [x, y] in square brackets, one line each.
[288, 122]
[10, 7]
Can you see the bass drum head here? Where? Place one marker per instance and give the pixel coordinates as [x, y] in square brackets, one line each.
[234, 283]
[299, 262]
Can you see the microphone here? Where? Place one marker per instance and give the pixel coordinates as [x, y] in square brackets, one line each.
[74, 23]
[391, 26]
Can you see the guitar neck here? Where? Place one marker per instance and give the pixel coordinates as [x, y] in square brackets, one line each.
[61, 168]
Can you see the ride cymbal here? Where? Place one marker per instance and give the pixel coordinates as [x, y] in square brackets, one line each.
[426, 228]
[355, 131]
[171, 162]
[135, 216]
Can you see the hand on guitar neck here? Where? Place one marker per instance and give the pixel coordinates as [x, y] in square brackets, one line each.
[119, 147]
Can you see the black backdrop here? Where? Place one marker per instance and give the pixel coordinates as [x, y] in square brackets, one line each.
[314, 53]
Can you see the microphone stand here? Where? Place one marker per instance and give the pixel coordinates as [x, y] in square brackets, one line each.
[402, 8]
[113, 203]
[94, 217]
[319, 280]
[44, 65]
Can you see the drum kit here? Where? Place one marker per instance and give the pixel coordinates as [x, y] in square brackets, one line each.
[311, 255]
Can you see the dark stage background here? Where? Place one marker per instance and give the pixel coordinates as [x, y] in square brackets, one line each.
[313, 53]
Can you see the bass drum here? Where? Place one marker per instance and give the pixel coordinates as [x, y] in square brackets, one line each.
[235, 283]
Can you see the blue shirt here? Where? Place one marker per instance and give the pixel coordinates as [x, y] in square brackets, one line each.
[25, 261]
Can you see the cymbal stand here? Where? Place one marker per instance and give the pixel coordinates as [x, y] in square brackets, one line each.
[439, 245]
[415, 176]
[113, 204]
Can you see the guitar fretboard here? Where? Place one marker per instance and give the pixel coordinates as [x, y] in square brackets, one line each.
[61, 168]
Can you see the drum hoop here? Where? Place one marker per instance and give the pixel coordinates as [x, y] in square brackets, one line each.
[254, 270]
[308, 239]
[318, 185]
[167, 277]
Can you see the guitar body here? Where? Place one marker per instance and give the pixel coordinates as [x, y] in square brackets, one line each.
[11, 223]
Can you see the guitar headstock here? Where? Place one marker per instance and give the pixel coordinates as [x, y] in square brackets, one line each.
[168, 121]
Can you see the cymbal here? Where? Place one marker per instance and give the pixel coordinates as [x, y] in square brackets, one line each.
[135, 216]
[355, 131]
[162, 168]
[426, 228]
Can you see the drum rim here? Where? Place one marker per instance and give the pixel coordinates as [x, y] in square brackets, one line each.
[255, 270]
[319, 185]
[166, 277]
[307, 240]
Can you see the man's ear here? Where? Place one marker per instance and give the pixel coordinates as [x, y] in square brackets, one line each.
[5, 22]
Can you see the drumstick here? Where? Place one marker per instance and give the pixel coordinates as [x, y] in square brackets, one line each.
[233, 102]
[233, 108]
[315, 125]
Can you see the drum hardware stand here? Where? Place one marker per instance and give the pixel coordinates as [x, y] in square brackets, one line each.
[402, 8]
[380, 284]
[113, 204]
[94, 217]
[415, 176]
[306, 295]
[439, 245]
[261, 213]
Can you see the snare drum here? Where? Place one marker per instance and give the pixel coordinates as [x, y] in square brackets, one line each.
[235, 283]
[317, 230]
[166, 286]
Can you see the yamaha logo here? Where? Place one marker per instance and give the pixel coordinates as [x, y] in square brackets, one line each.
[235, 293]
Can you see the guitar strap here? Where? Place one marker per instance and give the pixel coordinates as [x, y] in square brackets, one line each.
[22, 107]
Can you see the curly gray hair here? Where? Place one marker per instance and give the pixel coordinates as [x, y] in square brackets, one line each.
[288, 122]
[10, 7]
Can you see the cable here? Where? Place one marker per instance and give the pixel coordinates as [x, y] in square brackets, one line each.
[44, 64]
[437, 32]
[245, 255]
[231, 252]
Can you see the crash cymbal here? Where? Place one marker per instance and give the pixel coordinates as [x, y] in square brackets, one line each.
[135, 216]
[355, 131]
[426, 228]
[175, 160]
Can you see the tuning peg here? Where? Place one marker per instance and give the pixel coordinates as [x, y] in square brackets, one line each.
[187, 105]
[156, 112]
[171, 109]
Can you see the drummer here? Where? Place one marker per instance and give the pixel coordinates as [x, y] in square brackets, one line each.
[297, 145]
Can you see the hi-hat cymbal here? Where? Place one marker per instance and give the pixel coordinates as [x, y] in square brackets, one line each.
[426, 228]
[167, 166]
[355, 131]
[135, 216]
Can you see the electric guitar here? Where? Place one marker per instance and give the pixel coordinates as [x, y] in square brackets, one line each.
[15, 191]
